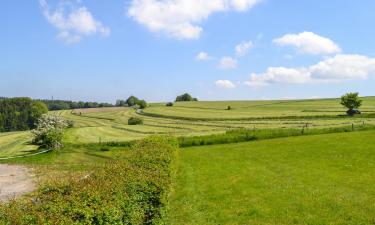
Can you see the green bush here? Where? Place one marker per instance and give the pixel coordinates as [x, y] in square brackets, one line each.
[135, 121]
[49, 131]
[169, 104]
[131, 191]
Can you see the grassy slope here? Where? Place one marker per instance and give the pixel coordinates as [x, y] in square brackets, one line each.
[16, 143]
[249, 109]
[110, 124]
[323, 179]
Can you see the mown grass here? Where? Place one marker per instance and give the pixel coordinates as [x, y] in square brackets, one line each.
[254, 109]
[319, 179]
[132, 190]
[244, 135]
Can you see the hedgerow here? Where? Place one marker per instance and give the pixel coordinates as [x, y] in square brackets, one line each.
[243, 135]
[131, 191]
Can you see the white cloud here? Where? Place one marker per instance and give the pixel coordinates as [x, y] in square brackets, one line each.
[228, 63]
[243, 48]
[202, 56]
[181, 18]
[279, 75]
[334, 69]
[309, 43]
[226, 84]
[74, 22]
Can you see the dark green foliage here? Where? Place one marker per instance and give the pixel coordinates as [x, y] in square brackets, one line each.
[129, 191]
[244, 135]
[132, 101]
[65, 105]
[185, 98]
[135, 121]
[142, 104]
[121, 103]
[169, 104]
[229, 108]
[18, 114]
[351, 101]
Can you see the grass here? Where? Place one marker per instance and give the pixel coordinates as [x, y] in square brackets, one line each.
[320, 179]
[254, 109]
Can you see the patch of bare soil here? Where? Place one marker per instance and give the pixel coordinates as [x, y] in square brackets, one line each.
[15, 181]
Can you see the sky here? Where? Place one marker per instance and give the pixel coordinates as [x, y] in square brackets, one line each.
[213, 49]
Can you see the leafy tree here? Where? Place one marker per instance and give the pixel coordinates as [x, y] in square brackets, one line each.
[20, 113]
[49, 131]
[142, 104]
[132, 101]
[169, 104]
[351, 101]
[185, 98]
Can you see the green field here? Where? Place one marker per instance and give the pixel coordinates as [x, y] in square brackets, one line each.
[271, 178]
[194, 119]
[322, 179]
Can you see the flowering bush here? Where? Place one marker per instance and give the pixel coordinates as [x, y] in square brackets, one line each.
[49, 131]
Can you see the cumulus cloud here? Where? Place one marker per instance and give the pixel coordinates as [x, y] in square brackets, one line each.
[226, 84]
[309, 43]
[73, 22]
[243, 48]
[227, 63]
[181, 18]
[202, 56]
[334, 69]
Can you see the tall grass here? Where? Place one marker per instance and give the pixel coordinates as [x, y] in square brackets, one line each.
[131, 191]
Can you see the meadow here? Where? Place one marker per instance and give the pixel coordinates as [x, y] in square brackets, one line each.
[319, 179]
[261, 162]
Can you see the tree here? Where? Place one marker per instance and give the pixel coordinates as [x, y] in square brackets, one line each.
[142, 104]
[49, 131]
[170, 104]
[351, 101]
[185, 98]
[18, 114]
[132, 101]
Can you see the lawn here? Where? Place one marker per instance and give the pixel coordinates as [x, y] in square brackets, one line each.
[320, 179]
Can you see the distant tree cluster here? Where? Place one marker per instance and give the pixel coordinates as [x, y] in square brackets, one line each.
[185, 98]
[132, 101]
[18, 114]
[64, 105]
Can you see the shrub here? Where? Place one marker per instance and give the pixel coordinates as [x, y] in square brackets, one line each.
[169, 104]
[135, 121]
[229, 108]
[49, 131]
[132, 191]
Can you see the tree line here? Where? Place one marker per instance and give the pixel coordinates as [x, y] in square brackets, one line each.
[20, 113]
[65, 105]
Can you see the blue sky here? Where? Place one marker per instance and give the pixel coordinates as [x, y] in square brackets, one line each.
[215, 50]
